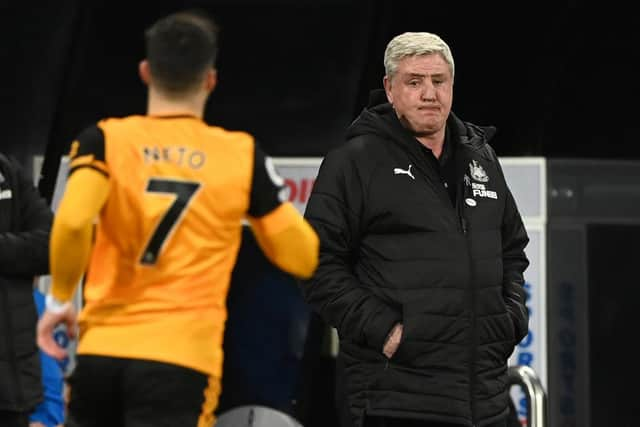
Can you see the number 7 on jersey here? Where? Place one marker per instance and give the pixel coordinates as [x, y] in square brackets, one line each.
[184, 192]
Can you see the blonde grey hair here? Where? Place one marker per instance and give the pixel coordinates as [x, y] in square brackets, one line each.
[411, 44]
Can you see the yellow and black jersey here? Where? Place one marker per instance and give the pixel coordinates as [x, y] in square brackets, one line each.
[167, 236]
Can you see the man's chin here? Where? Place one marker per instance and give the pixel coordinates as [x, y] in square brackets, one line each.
[426, 131]
[422, 129]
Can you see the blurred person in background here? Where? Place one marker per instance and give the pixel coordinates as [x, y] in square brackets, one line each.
[25, 221]
[51, 411]
[422, 253]
[169, 193]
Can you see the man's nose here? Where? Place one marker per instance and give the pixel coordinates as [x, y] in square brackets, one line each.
[428, 91]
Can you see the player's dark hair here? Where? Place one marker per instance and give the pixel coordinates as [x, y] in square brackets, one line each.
[180, 48]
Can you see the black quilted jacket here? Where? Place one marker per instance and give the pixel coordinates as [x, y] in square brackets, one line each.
[25, 221]
[394, 248]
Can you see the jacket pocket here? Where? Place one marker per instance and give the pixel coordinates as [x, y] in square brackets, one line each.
[503, 336]
[510, 326]
[431, 325]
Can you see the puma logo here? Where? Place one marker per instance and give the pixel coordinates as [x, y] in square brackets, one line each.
[398, 171]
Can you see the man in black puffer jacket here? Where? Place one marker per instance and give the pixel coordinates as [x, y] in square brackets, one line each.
[422, 253]
[25, 221]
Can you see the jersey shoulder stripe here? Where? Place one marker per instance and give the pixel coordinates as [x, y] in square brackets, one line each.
[88, 150]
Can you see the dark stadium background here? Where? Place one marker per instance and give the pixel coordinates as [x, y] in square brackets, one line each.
[558, 79]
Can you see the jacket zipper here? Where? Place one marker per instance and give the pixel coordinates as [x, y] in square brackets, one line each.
[464, 227]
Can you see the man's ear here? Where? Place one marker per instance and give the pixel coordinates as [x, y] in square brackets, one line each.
[211, 79]
[386, 81]
[144, 70]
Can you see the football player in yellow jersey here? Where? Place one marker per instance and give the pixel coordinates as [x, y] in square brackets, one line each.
[167, 194]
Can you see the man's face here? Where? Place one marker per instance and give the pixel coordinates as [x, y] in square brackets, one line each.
[421, 92]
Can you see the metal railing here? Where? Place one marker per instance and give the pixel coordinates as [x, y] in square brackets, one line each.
[526, 377]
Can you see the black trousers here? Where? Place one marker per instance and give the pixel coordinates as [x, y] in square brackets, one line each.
[118, 392]
[14, 419]
[395, 422]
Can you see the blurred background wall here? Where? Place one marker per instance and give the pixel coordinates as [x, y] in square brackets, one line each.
[556, 78]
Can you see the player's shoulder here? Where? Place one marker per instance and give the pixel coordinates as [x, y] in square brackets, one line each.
[117, 122]
[231, 141]
[233, 136]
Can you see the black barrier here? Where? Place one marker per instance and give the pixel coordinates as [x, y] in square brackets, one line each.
[592, 239]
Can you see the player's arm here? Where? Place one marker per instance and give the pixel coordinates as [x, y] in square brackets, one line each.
[287, 240]
[284, 236]
[70, 244]
[85, 193]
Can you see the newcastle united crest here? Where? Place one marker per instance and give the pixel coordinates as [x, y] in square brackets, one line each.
[477, 172]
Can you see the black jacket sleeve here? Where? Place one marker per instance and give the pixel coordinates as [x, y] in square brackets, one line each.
[514, 262]
[24, 250]
[335, 210]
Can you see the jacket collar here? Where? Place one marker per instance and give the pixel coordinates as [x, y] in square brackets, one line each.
[464, 135]
[380, 118]
[471, 137]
